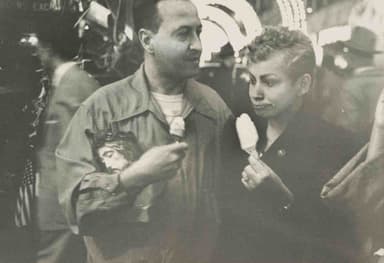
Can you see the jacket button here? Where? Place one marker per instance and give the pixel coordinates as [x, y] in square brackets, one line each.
[281, 153]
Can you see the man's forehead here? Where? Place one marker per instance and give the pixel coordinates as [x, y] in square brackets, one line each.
[171, 9]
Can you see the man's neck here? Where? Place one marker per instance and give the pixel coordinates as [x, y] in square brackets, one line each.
[162, 84]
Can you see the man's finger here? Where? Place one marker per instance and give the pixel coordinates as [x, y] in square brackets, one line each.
[177, 146]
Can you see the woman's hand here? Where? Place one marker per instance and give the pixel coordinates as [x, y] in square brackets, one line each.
[258, 174]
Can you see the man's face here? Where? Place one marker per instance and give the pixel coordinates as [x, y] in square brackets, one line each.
[113, 159]
[176, 45]
[271, 90]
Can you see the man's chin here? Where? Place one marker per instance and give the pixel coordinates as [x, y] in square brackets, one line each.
[193, 72]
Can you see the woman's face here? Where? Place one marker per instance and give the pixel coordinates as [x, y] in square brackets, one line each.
[271, 90]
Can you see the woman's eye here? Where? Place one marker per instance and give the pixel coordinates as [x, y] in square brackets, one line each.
[251, 79]
[269, 83]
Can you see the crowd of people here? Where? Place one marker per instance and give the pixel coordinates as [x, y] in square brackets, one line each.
[150, 169]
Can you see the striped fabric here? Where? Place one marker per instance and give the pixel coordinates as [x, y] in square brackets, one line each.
[27, 192]
[25, 201]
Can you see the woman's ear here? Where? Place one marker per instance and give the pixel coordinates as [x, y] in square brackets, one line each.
[304, 84]
[146, 39]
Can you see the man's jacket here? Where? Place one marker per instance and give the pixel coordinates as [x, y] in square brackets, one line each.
[90, 198]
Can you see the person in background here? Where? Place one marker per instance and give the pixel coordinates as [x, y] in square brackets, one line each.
[359, 188]
[69, 87]
[180, 225]
[356, 86]
[219, 76]
[270, 200]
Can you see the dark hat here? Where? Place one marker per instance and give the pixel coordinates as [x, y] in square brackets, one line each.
[226, 51]
[362, 40]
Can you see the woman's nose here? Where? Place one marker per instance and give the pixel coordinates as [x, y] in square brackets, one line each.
[256, 91]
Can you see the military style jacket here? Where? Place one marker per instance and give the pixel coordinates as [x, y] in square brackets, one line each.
[94, 202]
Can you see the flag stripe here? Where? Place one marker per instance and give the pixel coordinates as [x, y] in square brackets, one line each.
[26, 196]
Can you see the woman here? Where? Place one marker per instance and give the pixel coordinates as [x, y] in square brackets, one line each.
[262, 221]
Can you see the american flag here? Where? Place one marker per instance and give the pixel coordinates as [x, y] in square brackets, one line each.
[25, 202]
[27, 192]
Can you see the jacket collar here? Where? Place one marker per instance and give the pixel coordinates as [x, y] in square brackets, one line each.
[194, 94]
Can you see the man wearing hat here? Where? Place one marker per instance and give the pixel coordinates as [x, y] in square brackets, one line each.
[361, 85]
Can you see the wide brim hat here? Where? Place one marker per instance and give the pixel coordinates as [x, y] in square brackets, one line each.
[363, 40]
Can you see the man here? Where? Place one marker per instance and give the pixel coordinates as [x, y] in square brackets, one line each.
[69, 87]
[355, 89]
[179, 226]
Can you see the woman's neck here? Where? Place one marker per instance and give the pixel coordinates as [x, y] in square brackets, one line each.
[276, 126]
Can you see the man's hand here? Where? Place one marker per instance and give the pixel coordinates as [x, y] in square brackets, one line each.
[158, 163]
[258, 174]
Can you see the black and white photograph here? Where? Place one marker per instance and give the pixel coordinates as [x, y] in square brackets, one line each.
[192, 131]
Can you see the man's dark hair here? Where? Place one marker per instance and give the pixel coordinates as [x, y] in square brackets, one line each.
[298, 49]
[146, 15]
[58, 32]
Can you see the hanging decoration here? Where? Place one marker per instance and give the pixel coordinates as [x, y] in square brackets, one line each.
[293, 14]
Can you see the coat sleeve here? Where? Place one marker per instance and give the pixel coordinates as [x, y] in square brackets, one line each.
[359, 188]
[86, 196]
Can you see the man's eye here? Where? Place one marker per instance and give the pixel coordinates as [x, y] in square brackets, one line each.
[108, 154]
[183, 34]
[198, 31]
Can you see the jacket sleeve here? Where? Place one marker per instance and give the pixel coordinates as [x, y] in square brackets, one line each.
[86, 195]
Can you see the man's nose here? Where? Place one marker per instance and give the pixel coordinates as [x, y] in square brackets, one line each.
[195, 43]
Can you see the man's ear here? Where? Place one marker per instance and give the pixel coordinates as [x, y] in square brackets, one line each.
[304, 84]
[146, 39]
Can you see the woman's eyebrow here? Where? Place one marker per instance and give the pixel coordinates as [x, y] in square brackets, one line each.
[267, 76]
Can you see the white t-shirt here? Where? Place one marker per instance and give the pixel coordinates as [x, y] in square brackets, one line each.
[171, 105]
